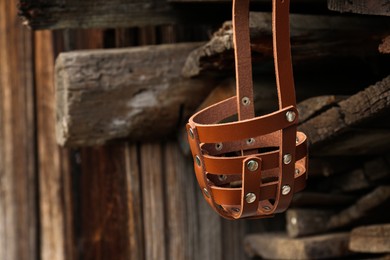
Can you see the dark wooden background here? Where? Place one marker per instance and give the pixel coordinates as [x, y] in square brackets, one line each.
[125, 200]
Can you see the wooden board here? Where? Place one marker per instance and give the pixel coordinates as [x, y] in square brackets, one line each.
[19, 216]
[279, 246]
[385, 46]
[371, 7]
[370, 239]
[312, 37]
[124, 92]
[115, 13]
[54, 180]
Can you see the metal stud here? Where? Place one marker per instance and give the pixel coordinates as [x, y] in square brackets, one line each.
[297, 140]
[290, 116]
[250, 141]
[287, 158]
[245, 101]
[218, 146]
[266, 208]
[286, 189]
[252, 165]
[222, 177]
[297, 171]
[250, 197]
[197, 160]
[206, 192]
[236, 210]
[191, 133]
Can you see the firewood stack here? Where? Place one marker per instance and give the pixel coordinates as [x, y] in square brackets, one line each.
[344, 212]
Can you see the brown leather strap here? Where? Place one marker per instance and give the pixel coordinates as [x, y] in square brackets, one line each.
[251, 168]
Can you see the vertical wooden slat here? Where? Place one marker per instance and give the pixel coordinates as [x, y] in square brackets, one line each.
[52, 160]
[18, 187]
[134, 199]
[103, 196]
[153, 201]
[178, 205]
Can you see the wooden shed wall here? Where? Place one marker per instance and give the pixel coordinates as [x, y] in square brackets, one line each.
[140, 200]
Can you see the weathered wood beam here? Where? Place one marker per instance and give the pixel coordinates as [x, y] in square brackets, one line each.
[370, 239]
[342, 121]
[313, 37]
[136, 92]
[279, 246]
[303, 222]
[60, 14]
[371, 7]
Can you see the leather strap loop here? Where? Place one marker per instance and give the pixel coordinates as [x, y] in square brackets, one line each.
[250, 168]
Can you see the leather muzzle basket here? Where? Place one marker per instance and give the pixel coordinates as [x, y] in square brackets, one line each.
[250, 168]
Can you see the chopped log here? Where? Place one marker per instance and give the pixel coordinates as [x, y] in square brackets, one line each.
[19, 228]
[385, 45]
[371, 7]
[302, 222]
[315, 105]
[316, 199]
[342, 121]
[58, 14]
[352, 181]
[312, 37]
[279, 246]
[141, 85]
[362, 209]
[370, 239]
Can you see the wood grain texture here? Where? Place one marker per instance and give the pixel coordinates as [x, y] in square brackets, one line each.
[279, 246]
[153, 201]
[312, 37]
[112, 14]
[19, 232]
[141, 86]
[104, 213]
[52, 160]
[134, 206]
[371, 103]
[371, 7]
[370, 239]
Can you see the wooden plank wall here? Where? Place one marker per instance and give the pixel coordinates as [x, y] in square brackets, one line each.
[125, 200]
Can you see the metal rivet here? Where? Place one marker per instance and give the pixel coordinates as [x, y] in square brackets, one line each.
[266, 208]
[250, 141]
[252, 165]
[222, 177]
[218, 146]
[286, 189]
[297, 140]
[191, 133]
[236, 209]
[250, 197]
[290, 116]
[287, 158]
[297, 171]
[245, 101]
[197, 160]
[206, 192]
